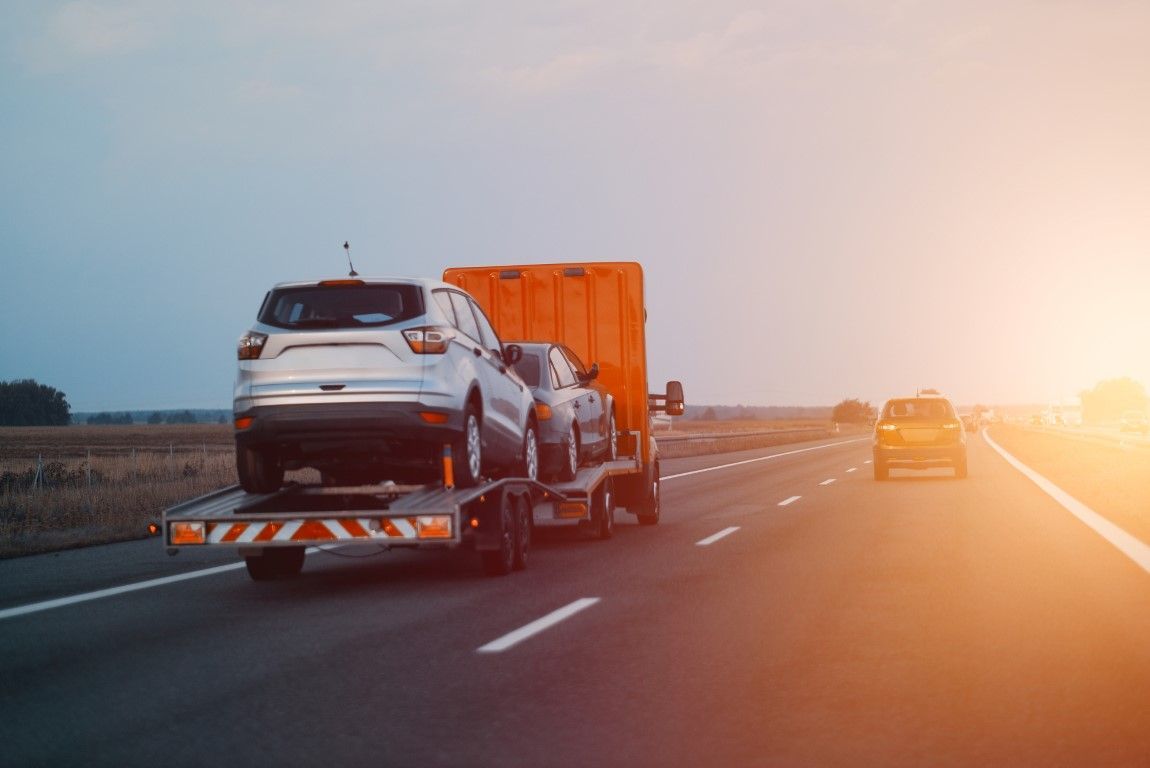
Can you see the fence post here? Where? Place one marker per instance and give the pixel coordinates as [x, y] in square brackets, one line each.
[89, 466]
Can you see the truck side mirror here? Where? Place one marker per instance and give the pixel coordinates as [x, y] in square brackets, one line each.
[591, 375]
[675, 403]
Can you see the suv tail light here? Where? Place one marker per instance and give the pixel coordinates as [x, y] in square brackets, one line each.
[429, 340]
[251, 345]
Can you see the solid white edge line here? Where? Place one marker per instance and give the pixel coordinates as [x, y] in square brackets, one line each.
[791, 500]
[537, 626]
[1133, 548]
[60, 602]
[762, 458]
[715, 537]
[828, 481]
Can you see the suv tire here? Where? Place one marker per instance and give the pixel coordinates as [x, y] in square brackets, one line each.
[259, 470]
[467, 450]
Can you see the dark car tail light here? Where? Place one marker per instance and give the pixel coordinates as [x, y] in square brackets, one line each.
[429, 340]
[251, 345]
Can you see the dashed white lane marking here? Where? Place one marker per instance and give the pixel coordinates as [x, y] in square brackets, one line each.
[537, 626]
[715, 537]
[60, 602]
[1133, 548]
[868, 461]
[828, 481]
[853, 469]
[762, 458]
[791, 500]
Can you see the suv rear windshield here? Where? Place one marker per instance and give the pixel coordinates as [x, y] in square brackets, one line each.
[341, 306]
[919, 408]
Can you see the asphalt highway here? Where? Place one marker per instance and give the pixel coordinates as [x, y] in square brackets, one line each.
[788, 610]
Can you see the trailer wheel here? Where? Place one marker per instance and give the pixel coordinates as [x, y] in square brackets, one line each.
[499, 562]
[259, 470]
[522, 531]
[603, 500]
[275, 563]
[648, 511]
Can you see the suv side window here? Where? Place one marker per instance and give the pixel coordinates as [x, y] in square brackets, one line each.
[465, 320]
[562, 368]
[490, 337]
[444, 302]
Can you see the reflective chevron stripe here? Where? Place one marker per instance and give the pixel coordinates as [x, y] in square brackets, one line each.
[342, 529]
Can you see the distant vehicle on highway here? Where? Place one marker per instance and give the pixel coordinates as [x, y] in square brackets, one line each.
[576, 414]
[366, 379]
[1135, 421]
[921, 432]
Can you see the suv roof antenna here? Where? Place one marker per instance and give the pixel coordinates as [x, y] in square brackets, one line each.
[351, 267]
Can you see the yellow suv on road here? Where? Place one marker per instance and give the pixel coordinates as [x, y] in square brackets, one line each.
[921, 432]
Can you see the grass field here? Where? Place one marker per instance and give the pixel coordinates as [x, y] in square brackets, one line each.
[63, 487]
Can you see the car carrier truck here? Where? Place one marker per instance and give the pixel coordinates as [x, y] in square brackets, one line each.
[598, 310]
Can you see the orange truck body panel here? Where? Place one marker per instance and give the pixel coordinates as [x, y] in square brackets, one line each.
[595, 308]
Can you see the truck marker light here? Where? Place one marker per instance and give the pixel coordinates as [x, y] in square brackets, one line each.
[243, 422]
[433, 526]
[475, 522]
[542, 411]
[572, 509]
[251, 345]
[429, 340]
[431, 417]
[187, 533]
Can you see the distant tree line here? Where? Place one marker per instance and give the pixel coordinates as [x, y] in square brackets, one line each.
[111, 418]
[27, 403]
[1108, 399]
[852, 411]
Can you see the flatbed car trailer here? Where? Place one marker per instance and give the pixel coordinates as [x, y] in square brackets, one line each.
[495, 518]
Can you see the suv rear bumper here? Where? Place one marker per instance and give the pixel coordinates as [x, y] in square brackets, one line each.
[920, 456]
[351, 427]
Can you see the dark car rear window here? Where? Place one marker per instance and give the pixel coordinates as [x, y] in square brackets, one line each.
[529, 369]
[341, 306]
[919, 408]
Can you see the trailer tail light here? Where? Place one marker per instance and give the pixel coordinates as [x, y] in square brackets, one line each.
[251, 345]
[187, 533]
[431, 417]
[433, 526]
[244, 422]
[430, 340]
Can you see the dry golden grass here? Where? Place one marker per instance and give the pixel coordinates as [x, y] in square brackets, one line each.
[74, 486]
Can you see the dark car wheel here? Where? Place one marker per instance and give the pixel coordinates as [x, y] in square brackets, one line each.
[530, 466]
[612, 452]
[570, 464]
[259, 470]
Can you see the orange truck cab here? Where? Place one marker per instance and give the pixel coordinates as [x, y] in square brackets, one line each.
[596, 309]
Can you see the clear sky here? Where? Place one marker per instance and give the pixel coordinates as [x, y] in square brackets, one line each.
[831, 199]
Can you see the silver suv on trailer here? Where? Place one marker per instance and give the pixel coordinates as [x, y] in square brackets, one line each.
[366, 379]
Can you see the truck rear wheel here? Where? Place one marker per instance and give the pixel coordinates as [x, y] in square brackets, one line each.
[500, 561]
[648, 510]
[522, 531]
[259, 470]
[275, 563]
[603, 514]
